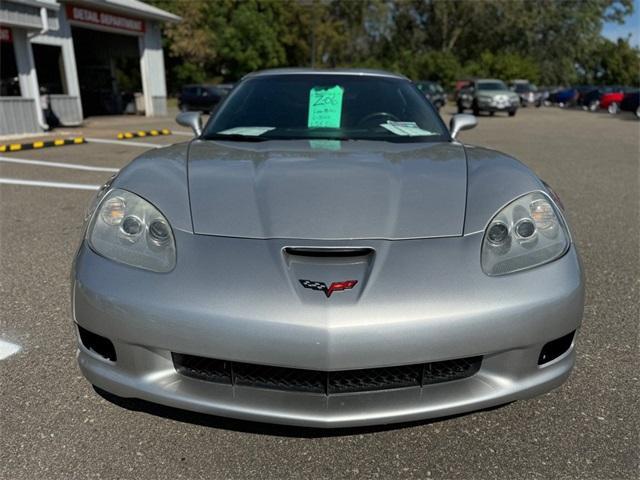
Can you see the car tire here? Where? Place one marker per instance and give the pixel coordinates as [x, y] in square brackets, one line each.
[613, 108]
[638, 112]
[183, 107]
[593, 106]
[460, 107]
[512, 113]
[491, 114]
[476, 110]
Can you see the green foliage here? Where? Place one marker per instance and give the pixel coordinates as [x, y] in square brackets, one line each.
[612, 63]
[507, 66]
[546, 41]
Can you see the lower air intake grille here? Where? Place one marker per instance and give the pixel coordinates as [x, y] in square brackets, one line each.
[328, 383]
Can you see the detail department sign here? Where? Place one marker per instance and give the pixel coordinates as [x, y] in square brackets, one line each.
[104, 19]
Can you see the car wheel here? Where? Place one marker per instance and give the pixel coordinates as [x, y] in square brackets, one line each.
[460, 108]
[476, 110]
[491, 114]
[512, 113]
[184, 108]
[638, 112]
[593, 106]
[613, 108]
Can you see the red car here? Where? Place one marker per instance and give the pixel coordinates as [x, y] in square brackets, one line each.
[611, 101]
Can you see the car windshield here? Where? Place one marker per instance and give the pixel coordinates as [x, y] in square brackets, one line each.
[523, 88]
[492, 86]
[326, 106]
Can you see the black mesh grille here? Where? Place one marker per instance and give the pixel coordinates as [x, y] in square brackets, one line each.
[203, 368]
[328, 383]
[374, 379]
[438, 372]
[279, 378]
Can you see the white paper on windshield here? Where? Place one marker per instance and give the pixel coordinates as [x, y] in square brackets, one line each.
[247, 131]
[406, 129]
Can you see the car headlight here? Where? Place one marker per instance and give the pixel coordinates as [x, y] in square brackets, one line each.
[526, 233]
[128, 229]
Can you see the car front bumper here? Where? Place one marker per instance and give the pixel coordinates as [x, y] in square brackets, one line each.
[487, 107]
[256, 313]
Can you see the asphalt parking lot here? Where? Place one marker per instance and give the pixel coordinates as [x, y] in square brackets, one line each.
[54, 425]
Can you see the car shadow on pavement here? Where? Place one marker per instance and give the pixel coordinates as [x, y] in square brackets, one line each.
[247, 426]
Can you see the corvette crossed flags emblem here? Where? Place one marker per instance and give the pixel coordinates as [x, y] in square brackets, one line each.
[334, 287]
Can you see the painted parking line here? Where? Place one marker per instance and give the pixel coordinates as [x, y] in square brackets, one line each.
[125, 142]
[73, 166]
[38, 183]
[7, 349]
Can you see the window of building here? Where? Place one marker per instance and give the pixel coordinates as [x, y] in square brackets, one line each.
[50, 68]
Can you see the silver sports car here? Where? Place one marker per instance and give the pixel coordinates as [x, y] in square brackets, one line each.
[325, 253]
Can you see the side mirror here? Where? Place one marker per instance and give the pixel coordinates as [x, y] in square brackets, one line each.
[193, 120]
[462, 121]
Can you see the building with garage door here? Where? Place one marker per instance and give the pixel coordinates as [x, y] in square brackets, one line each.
[62, 61]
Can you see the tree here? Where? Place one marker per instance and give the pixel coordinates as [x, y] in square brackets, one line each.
[552, 41]
[612, 63]
[508, 66]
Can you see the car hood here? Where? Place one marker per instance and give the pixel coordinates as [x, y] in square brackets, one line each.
[327, 190]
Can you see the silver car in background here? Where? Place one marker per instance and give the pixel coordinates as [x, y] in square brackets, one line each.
[488, 95]
[325, 253]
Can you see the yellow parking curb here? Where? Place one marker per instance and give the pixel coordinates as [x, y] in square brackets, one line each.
[57, 142]
[143, 133]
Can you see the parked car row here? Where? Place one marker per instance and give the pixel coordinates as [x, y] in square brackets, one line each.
[593, 98]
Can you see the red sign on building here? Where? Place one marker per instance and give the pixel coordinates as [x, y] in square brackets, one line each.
[104, 19]
[5, 35]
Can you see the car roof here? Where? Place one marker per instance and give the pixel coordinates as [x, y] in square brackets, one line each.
[318, 71]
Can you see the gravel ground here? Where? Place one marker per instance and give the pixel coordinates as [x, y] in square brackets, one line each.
[54, 425]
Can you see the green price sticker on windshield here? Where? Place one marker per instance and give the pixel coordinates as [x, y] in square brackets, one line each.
[325, 107]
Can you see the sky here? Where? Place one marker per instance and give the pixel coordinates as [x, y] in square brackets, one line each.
[613, 31]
